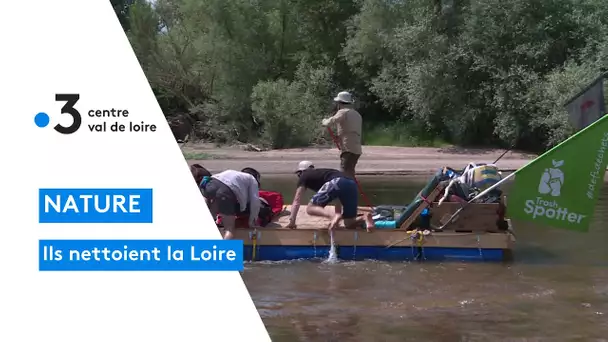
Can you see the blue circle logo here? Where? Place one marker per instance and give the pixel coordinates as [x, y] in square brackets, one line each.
[42, 120]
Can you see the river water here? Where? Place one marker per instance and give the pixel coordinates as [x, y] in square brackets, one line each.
[555, 289]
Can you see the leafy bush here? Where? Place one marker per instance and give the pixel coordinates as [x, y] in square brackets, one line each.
[290, 113]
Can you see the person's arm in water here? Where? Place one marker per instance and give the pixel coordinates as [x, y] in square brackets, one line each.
[254, 202]
[338, 117]
[295, 206]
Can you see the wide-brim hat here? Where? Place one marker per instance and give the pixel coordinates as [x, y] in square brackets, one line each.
[344, 97]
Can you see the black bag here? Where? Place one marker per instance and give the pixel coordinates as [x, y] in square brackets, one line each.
[265, 215]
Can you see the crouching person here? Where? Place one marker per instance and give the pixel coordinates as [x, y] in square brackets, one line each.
[230, 193]
[271, 203]
[328, 184]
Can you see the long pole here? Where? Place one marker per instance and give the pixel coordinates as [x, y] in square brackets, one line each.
[502, 155]
[335, 139]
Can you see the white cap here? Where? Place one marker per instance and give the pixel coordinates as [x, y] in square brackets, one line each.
[344, 97]
[303, 165]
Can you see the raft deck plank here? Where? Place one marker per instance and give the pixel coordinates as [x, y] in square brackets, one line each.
[305, 221]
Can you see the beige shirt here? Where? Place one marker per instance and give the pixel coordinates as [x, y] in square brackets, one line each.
[348, 123]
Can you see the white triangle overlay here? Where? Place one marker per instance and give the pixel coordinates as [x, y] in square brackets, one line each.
[76, 46]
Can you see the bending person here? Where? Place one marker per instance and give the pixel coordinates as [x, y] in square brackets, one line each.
[229, 193]
[328, 185]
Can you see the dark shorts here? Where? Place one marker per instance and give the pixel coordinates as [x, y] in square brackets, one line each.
[345, 189]
[222, 198]
[348, 161]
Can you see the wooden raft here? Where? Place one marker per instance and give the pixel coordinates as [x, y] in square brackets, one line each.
[312, 230]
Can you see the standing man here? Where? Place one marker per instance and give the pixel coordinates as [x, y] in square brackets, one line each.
[328, 185]
[348, 123]
[230, 193]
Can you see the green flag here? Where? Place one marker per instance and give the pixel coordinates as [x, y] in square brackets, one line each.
[560, 188]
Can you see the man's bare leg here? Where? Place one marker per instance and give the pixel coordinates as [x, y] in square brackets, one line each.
[229, 224]
[358, 221]
[369, 222]
[352, 223]
[338, 208]
[335, 221]
[315, 210]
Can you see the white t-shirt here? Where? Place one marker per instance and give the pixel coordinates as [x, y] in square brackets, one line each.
[245, 188]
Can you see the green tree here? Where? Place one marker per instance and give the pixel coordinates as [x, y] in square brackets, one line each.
[471, 72]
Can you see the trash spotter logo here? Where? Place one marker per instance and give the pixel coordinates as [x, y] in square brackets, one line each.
[551, 183]
[552, 180]
[100, 120]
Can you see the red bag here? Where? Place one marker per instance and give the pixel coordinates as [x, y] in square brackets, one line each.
[271, 206]
[274, 200]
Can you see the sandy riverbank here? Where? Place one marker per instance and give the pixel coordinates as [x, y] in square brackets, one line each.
[376, 160]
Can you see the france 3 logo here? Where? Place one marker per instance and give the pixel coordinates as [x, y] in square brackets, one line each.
[42, 119]
[110, 120]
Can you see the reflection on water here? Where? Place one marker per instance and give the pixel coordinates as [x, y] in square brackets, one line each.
[556, 289]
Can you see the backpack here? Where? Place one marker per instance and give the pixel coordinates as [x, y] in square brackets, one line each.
[478, 177]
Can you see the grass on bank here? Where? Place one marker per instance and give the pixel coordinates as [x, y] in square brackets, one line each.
[397, 135]
[198, 156]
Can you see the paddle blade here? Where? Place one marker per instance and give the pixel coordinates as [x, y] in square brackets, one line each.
[561, 187]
